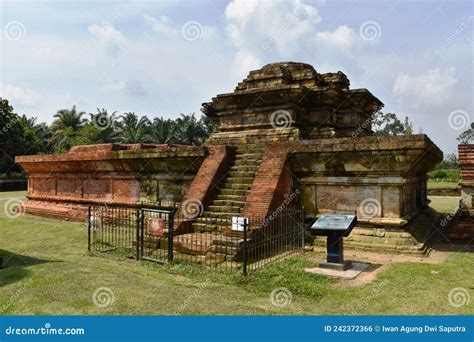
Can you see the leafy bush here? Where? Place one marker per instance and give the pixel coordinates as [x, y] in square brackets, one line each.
[448, 175]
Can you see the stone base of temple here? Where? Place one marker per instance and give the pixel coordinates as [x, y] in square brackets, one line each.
[463, 226]
[59, 210]
[413, 238]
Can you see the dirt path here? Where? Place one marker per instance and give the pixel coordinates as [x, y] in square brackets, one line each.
[381, 262]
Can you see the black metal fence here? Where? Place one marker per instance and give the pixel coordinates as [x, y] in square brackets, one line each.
[158, 232]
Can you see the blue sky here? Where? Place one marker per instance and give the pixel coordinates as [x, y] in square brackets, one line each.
[415, 56]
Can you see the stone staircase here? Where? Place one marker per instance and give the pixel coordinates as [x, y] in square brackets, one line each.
[232, 193]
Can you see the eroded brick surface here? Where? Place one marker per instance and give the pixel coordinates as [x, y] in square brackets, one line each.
[284, 129]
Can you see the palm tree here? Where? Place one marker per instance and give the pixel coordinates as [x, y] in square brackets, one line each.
[35, 135]
[207, 125]
[189, 130]
[161, 131]
[69, 118]
[106, 126]
[132, 129]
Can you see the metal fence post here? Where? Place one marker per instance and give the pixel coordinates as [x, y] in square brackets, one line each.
[137, 226]
[302, 222]
[245, 247]
[89, 229]
[142, 232]
[170, 235]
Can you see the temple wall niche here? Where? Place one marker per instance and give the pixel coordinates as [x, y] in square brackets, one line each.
[383, 200]
[170, 187]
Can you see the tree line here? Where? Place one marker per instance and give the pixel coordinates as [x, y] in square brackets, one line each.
[22, 135]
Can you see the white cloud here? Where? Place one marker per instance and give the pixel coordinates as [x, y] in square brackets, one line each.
[116, 86]
[106, 35]
[343, 37]
[271, 31]
[133, 89]
[246, 62]
[22, 96]
[209, 33]
[435, 86]
[161, 25]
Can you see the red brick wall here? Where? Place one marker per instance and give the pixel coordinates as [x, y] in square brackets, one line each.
[466, 159]
[272, 181]
[211, 172]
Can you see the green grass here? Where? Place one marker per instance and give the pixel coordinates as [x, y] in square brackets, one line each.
[50, 272]
[12, 194]
[446, 175]
[444, 204]
[442, 185]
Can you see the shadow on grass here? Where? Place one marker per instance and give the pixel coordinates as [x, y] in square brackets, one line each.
[15, 266]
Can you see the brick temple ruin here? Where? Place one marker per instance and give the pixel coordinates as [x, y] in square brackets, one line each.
[464, 225]
[286, 129]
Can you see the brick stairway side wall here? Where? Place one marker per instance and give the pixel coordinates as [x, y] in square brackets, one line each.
[204, 184]
[272, 182]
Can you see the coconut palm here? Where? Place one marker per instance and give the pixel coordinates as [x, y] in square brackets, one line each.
[132, 129]
[161, 131]
[189, 130]
[68, 118]
[105, 125]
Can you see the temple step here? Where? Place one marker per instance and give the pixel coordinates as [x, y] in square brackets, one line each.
[234, 192]
[243, 168]
[219, 214]
[214, 220]
[224, 208]
[254, 156]
[239, 180]
[240, 186]
[231, 203]
[210, 227]
[241, 174]
[231, 198]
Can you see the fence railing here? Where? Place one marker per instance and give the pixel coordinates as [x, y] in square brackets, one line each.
[157, 232]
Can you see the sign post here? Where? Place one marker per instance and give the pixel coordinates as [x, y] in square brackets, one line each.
[334, 227]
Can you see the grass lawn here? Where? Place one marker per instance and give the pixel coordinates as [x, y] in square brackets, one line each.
[50, 272]
[444, 204]
[442, 185]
